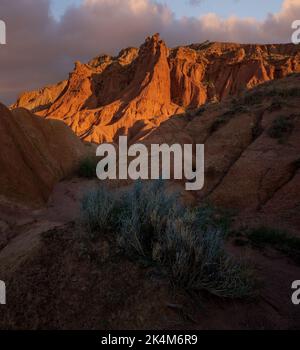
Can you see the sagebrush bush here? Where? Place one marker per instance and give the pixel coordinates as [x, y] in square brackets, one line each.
[195, 257]
[98, 211]
[145, 209]
[186, 243]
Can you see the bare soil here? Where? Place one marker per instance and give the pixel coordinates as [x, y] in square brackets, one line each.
[56, 279]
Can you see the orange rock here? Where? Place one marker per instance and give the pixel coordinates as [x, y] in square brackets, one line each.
[133, 93]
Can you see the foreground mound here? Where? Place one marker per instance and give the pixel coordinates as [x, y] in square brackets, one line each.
[89, 277]
[35, 154]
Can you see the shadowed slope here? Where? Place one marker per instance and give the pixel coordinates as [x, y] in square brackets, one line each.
[252, 149]
[35, 154]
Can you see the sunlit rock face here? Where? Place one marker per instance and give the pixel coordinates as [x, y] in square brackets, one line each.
[135, 92]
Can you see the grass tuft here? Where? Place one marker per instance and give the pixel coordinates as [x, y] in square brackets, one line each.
[98, 211]
[188, 244]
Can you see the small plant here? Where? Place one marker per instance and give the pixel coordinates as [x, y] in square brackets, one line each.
[87, 168]
[193, 253]
[222, 120]
[262, 237]
[145, 211]
[281, 128]
[98, 211]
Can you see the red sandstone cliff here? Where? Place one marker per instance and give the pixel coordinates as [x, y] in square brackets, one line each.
[134, 92]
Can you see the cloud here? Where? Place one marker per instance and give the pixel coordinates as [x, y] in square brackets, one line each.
[41, 50]
[195, 2]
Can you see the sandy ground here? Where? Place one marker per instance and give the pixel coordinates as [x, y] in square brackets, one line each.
[53, 283]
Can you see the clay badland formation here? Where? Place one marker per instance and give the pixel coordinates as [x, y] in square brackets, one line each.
[133, 93]
[139, 92]
[241, 101]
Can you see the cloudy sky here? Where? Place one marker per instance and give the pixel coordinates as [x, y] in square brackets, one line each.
[45, 37]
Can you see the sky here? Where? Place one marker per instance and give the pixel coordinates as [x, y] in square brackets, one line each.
[46, 37]
[258, 9]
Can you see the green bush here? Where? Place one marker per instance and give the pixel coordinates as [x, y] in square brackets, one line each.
[145, 210]
[98, 211]
[186, 243]
[194, 254]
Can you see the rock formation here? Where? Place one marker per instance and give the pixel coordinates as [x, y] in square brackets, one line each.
[35, 154]
[140, 88]
[252, 149]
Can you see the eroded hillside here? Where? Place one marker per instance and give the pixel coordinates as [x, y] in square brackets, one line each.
[35, 155]
[252, 149]
[134, 92]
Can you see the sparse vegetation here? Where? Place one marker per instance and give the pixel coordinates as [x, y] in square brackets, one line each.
[257, 95]
[98, 211]
[191, 113]
[187, 244]
[222, 120]
[145, 211]
[262, 237]
[275, 106]
[193, 253]
[281, 128]
[87, 168]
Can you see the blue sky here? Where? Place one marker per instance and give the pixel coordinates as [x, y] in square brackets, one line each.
[241, 8]
[53, 46]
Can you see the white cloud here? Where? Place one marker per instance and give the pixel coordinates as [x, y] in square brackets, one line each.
[41, 50]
